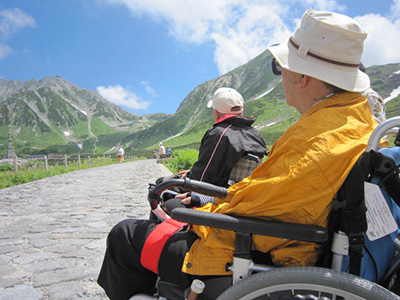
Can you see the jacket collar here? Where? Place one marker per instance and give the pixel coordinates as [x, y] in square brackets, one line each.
[340, 99]
[236, 119]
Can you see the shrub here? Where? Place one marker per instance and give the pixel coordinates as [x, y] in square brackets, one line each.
[6, 167]
[35, 163]
[182, 160]
[21, 178]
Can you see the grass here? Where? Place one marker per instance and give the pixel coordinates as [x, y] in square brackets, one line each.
[37, 171]
[182, 160]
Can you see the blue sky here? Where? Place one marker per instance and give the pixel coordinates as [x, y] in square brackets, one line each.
[147, 55]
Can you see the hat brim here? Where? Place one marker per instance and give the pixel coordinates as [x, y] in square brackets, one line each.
[349, 79]
[210, 103]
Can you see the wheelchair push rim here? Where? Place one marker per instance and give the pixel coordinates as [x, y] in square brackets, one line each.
[306, 283]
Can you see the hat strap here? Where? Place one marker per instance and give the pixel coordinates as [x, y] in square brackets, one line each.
[323, 58]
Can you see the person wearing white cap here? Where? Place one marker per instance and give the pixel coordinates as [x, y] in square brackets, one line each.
[120, 154]
[226, 101]
[161, 148]
[304, 170]
[231, 137]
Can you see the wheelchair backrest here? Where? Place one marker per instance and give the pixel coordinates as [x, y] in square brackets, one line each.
[370, 255]
[244, 167]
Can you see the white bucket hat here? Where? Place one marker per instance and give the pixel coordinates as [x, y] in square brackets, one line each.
[226, 101]
[327, 46]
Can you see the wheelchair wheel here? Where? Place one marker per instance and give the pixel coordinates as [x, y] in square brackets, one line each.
[307, 283]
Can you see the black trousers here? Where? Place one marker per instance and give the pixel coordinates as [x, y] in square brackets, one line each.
[122, 275]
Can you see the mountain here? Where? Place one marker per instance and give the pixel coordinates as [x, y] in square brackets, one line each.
[264, 98]
[54, 115]
[253, 80]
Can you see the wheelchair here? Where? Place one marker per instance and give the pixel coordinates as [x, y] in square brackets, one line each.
[326, 280]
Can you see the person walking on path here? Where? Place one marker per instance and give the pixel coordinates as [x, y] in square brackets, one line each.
[120, 154]
[161, 149]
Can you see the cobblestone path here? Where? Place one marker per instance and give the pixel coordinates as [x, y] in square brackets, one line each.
[53, 231]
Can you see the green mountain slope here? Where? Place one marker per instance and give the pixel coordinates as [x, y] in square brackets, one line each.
[264, 99]
[53, 115]
[192, 118]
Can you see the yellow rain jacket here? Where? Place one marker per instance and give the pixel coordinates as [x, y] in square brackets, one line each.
[304, 170]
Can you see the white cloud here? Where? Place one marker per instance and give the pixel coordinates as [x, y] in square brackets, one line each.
[189, 21]
[13, 20]
[10, 22]
[383, 41]
[149, 89]
[395, 9]
[4, 51]
[257, 26]
[241, 30]
[328, 5]
[121, 96]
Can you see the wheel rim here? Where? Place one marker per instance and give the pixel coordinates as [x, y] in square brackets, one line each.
[303, 289]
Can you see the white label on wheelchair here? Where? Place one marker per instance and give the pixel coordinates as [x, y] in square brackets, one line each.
[379, 217]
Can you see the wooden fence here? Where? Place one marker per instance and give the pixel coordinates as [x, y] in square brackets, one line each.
[65, 160]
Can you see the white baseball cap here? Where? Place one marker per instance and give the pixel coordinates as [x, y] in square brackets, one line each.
[226, 100]
[327, 46]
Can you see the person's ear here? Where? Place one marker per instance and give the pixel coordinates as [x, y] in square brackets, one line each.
[215, 115]
[303, 80]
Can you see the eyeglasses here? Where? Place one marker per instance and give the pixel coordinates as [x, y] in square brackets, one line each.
[276, 67]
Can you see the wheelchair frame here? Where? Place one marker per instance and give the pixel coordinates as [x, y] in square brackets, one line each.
[243, 268]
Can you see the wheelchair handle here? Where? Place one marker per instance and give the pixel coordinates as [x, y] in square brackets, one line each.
[387, 127]
[191, 185]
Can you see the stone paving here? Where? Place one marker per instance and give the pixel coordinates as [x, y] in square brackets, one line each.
[53, 231]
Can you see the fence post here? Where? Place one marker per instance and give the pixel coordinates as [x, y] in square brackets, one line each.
[104, 159]
[98, 160]
[89, 161]
[65, 161]
[15, 165]
[46, 165]
[79, 161]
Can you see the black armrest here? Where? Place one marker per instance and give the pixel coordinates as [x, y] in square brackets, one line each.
[191, 185]
[273, 228]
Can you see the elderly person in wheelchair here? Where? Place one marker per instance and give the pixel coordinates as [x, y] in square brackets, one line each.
[296, 184]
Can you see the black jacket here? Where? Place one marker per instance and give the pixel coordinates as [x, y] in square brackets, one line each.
[223, 145]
